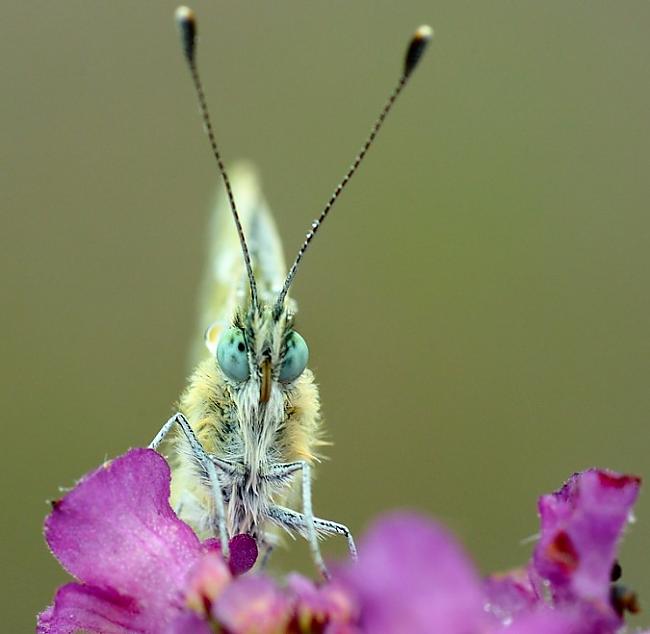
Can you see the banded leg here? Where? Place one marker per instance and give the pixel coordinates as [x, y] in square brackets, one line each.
[293, 520]
[282, 472]
[266, 549]
[207, 463]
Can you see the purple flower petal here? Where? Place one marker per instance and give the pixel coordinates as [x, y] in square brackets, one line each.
[116, 530]
[78, 607]
[315, 605]
[211, 545]
[206, 582]
[582, 524]
[341, 628]
[243, 554]
[508, 594]
[568, 618]
[253, 604]
[188, 623]
[413, 577]
[548, 621]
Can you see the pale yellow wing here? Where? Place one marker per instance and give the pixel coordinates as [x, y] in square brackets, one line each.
[225, 284]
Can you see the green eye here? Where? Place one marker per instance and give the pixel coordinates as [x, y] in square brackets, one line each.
[295, 359]
[232, 355]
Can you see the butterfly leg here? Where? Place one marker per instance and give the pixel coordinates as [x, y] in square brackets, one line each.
[283, 471]
[162, 434]
[267, 550]
[311, 525]
[292, 520]
[206, 463]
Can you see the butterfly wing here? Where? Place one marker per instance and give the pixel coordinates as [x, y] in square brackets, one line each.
[225, 283]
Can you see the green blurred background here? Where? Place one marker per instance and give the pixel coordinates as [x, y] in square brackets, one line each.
[476, 307]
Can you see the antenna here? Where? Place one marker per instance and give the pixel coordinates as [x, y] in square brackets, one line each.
[414, 52]
[186, 21]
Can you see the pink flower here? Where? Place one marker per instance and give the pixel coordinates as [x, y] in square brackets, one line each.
[582, 524]
[117, 535]
[412, 576]
[139, 569]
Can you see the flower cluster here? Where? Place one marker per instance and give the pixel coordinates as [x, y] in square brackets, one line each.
[141, 569]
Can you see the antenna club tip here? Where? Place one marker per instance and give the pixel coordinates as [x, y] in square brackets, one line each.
[416, 48]
[423, 32]
[184, 13]
[186, 22]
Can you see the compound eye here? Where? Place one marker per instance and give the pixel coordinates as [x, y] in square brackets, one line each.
[232, 355]
[295, 358]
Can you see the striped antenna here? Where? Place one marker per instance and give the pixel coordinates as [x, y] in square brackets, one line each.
[186, 21]
[414, 52]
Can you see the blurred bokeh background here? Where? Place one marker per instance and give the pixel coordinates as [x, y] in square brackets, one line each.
[476, 307]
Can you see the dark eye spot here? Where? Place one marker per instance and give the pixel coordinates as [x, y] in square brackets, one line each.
[231, 355]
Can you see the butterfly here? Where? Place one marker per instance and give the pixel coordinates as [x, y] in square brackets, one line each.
[248, 425]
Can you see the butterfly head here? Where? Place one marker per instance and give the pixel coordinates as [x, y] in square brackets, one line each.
[261, 352]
